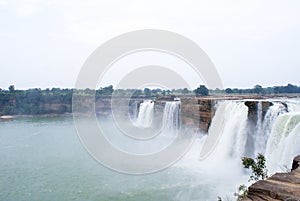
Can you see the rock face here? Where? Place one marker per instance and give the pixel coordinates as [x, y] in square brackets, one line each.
[280, 186]
[253, 115]
[198, 112]
[253, 105]
[207, 111]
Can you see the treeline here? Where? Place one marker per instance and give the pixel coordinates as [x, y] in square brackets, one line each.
[59, 101]
[258, 89]
[35, 101]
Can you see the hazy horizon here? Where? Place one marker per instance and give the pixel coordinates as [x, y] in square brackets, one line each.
[16, 88]
[44, 44]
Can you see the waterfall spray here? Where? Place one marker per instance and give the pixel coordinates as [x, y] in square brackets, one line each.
[133, 111]
[228, 130]
[145, 115]
[281, 145]
[171, 117]
[259, 142]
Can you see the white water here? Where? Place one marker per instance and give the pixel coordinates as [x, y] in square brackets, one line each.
[277, 134]
[259, 137]
[189, 179]
[171, 117]
[145, 115]
[273, 112]
[283, 143]
[293, 105]
[134, 111]
[159, 139]
[228, 130]
[222, 149]
[264, 125]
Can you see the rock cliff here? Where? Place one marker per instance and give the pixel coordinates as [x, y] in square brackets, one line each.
[280, 186]
[198, 112]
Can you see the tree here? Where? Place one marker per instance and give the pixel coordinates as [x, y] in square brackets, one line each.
[258, 89]
[185, 91]
[259, 171]
[11, 88]
[137, 93]
[228, 91]
[242, 192]
[147, 92]
[291, 88]
[258, 167]
[201, 90]
[276, 90]
[108, 90]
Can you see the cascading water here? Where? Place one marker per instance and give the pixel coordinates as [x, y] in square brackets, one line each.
[264, 125]
[171, 117]
[228, 129]
[283, 142]
[259, 141]
[277, 134]
[293, 105]
[272, 113]
[145, 115]
[259, 116]
[134, 111]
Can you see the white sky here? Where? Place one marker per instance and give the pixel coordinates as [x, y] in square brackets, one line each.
[44, 43]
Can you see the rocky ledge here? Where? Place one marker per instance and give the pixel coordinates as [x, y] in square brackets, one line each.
[280, 186]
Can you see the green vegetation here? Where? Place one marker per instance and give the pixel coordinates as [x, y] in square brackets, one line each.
[35, 101]
[242, 192]
[258, 172]
[258, 167]
[201, 90]
[258, 89]
[59, 101]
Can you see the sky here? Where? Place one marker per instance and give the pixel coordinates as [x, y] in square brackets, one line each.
[45, 43]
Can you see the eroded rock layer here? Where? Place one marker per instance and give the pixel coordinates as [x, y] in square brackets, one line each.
[280, 186]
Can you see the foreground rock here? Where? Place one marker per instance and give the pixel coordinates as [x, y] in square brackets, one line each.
[280, 186]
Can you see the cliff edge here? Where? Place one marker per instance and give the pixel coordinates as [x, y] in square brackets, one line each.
[280, 186]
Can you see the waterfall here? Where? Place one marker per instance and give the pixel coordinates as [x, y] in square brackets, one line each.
[264, 125]
[171, 117]
[133, 111]
[272, 113]
[145, 114]
[283, 143]
[259, 117]
[293, 105]
[259, 141]
[276, 134]
[227, 133]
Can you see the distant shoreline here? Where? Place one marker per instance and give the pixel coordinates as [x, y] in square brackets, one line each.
[210, 97]
[42, 115]
[11, 117]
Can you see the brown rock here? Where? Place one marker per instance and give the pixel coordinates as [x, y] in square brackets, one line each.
[280, 186]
